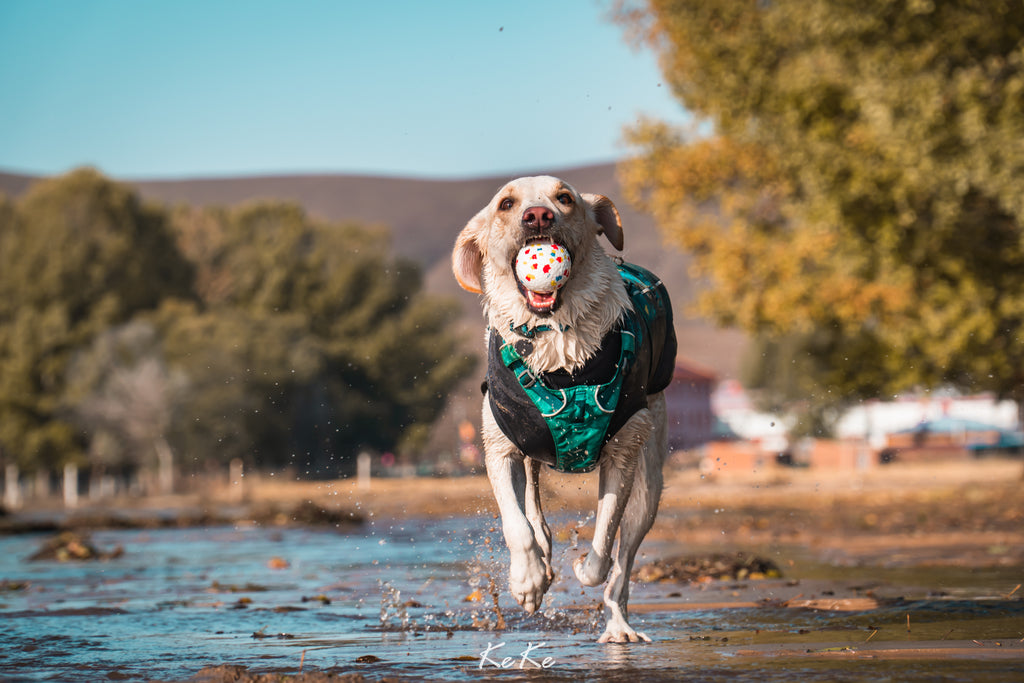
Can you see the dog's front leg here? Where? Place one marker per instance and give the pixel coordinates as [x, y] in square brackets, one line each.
[535, 515]
[529, 573]
[641, 509]
[618, 467]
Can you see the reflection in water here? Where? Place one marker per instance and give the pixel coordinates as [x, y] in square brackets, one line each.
[618, 656]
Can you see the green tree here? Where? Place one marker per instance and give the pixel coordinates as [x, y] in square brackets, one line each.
[236, 367]
[350, 354]
[863, 180]
[78, 255]
[134, 335]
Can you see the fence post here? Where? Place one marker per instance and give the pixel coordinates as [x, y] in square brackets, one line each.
[235, 475]
[70, 485]
[363, 471]
[12, 487]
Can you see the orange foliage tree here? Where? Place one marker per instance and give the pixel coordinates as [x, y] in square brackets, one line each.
[862, 184]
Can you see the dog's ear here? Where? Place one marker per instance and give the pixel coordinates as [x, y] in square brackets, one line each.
[607, 217]
[468, 257]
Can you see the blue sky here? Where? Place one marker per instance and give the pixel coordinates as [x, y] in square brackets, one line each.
[186, 88]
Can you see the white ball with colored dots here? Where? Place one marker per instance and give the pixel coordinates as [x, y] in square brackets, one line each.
[543, 266]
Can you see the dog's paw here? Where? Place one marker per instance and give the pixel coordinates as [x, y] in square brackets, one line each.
[622, 633]
[590, 571]
[528, 579]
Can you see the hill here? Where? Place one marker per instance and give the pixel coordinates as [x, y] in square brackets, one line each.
[423, 218]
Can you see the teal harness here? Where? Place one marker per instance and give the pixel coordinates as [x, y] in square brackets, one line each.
[581, 412]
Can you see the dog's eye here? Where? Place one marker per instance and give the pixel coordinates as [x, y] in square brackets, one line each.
[565, 198]
[506, 204]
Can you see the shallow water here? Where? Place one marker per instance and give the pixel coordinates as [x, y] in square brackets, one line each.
[396, 593]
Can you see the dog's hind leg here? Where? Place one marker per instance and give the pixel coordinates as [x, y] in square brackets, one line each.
[529, 570]
[641, 509]
[618, 467]
[535, 514]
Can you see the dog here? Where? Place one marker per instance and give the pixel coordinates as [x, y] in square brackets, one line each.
[565, 344]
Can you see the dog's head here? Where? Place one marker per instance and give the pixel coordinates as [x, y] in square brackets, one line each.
[524, 210]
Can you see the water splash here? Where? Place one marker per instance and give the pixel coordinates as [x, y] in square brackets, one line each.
[481, 580]
[392, 609]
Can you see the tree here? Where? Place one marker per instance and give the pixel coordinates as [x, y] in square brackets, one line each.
[864, 179]
[129, 333]
[78, 255]
[350, 353]
[124, 396]
[804, 376]
[237, 369]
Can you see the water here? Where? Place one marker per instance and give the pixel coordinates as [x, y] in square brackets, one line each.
[390, 599]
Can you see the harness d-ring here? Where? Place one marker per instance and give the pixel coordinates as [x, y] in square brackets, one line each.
[597, 400]
[565, 403]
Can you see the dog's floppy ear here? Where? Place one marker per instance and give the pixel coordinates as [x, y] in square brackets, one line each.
[607, 216]
[468, 257]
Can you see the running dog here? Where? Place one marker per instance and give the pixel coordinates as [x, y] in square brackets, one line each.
[575, 380]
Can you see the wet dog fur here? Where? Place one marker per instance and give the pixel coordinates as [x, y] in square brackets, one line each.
[580, 314]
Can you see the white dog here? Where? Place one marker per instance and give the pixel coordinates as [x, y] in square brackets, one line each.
[575, 379]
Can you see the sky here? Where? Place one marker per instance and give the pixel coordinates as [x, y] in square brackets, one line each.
[212, 88]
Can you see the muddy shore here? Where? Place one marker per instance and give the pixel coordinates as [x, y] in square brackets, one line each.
[945, 513]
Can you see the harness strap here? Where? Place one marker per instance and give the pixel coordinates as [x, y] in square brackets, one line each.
[578, 417]
[530, 332]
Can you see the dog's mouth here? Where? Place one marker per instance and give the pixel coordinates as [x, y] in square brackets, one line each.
[541, 302]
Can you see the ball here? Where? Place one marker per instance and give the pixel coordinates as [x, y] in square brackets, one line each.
[543, 266]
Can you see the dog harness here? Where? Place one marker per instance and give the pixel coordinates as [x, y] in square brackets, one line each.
[564, 419]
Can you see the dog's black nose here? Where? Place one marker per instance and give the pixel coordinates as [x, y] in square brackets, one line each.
[538, 217]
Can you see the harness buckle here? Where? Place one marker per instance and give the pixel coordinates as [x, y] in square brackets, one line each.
[526, 378]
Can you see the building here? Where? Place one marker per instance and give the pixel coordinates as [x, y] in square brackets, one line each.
[882, 421]
[688, 404]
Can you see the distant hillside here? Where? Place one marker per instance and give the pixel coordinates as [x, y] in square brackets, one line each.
[424, 216]
[13, 185]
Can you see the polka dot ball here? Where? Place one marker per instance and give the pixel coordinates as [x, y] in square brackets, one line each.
[543, 267]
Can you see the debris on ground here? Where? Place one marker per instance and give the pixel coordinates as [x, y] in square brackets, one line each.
[73, 546]
[278, 563]
[322, 599]
[218, 587]
[307, 513]
[722, 567]
[240, 674]
[262, 633]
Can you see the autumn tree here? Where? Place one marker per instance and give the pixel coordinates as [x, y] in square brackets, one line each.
[863, 179]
